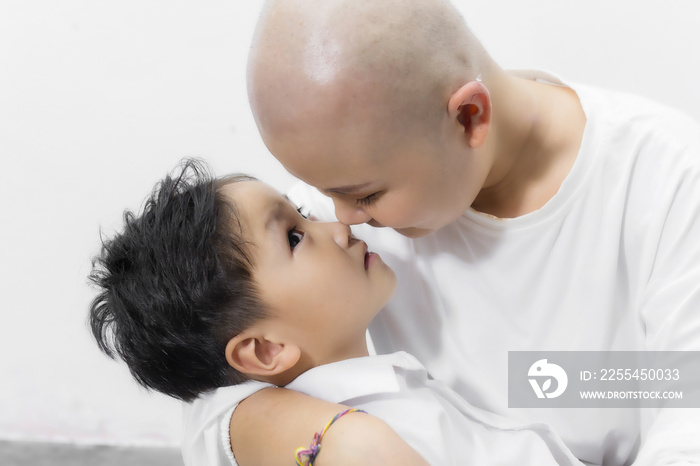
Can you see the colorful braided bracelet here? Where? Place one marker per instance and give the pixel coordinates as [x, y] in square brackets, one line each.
[307, 456]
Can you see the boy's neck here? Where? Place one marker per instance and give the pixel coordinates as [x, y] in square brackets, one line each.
[536, 135]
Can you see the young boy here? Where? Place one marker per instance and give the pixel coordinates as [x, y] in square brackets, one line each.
[221, 289]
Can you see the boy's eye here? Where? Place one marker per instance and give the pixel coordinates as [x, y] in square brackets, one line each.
[367, 200]
[294, 236]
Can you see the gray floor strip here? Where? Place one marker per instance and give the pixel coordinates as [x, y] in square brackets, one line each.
[58, 454]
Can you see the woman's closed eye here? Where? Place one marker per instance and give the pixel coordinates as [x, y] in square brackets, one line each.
[367, 200]
[294, 237]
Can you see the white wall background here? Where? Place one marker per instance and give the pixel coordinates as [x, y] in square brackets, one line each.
[99, 99]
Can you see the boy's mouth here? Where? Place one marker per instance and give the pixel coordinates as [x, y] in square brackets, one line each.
[370, 258]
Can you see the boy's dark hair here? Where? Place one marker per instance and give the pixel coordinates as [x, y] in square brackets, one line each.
[175, 286]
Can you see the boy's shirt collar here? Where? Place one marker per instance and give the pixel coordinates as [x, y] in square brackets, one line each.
[357, 377]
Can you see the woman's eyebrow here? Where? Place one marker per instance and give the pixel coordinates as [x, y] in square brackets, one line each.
[348, 189]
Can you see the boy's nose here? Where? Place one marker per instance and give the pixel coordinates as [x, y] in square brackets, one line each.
[341, 233]
[348, 213]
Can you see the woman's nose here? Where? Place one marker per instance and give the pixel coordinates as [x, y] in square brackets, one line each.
[348, 213]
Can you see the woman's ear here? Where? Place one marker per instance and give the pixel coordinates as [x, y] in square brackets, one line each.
[256, 355]
[470, 107]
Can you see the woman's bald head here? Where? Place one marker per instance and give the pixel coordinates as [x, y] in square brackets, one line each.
[325, 61]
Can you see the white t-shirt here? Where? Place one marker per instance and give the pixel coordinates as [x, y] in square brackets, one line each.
[611, 262]
[431, 418]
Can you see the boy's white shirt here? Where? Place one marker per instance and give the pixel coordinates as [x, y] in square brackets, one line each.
[611, 262]
[433, 419]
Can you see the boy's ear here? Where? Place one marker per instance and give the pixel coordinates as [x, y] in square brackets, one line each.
[255, 355]
[470, 106]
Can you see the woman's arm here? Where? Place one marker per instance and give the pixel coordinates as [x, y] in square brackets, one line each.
[270, 425]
